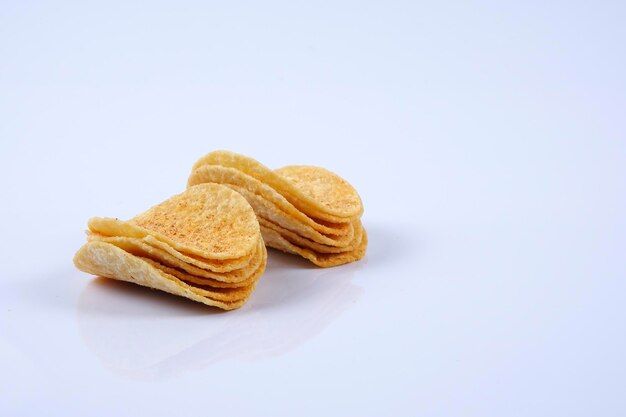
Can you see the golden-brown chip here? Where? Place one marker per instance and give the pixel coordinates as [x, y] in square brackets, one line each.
[196, 280]
[105, 226]
[325, 188]
[232, 176]
[208, 221]
[207, 290]
[304, 199]
[312, 245]
[231, 279]
[106, 260]
[206, 283]
[225, 265]
[274, 240]
[216, 293]
[266, 210]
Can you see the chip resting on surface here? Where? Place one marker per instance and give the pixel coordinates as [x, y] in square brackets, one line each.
[204, 244]
[305, 210]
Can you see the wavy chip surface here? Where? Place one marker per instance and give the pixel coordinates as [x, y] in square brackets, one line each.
[302, 209]
[290, 189]
[204, 244]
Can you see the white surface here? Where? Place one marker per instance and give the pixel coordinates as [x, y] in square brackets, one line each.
[486, 140]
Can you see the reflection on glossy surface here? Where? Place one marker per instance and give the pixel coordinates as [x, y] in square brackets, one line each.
[148, 334]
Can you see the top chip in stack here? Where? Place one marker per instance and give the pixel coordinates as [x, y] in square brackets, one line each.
[204, 244]
[304, 210]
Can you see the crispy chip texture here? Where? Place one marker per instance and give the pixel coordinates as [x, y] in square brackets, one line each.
[301, 209]
[201, 281]
[233, 177]
[204, 244]
[210, 221]
[313, 245]
[235, 278]
[290, 189]
[324, 187]
[324, 260]
[104, 226]
[106, 260]
[208, 244]
[267, 211]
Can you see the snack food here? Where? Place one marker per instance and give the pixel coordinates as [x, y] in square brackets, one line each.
[304, 210]
[204, 244]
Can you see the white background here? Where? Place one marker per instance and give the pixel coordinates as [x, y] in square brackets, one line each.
[487, 140]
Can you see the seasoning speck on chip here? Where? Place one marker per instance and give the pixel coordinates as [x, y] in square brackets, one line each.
[304, 210]
[204, 244]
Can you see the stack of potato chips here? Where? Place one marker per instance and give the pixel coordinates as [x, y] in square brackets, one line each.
[204, 244]
[304, 210]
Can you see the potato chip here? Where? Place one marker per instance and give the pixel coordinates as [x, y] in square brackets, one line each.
[106, 260]
[118, 228]
[201, 282]
[309, 244]
[325, 188]
[204, 244]
[230, 279]
[231, 176]
[215, 293]
[218, 293]
[275, 240]
[266, 210]
[301, 209]
[304, 198]
[209, 221]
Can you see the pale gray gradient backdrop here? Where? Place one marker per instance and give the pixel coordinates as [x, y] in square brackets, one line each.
[487, 139]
